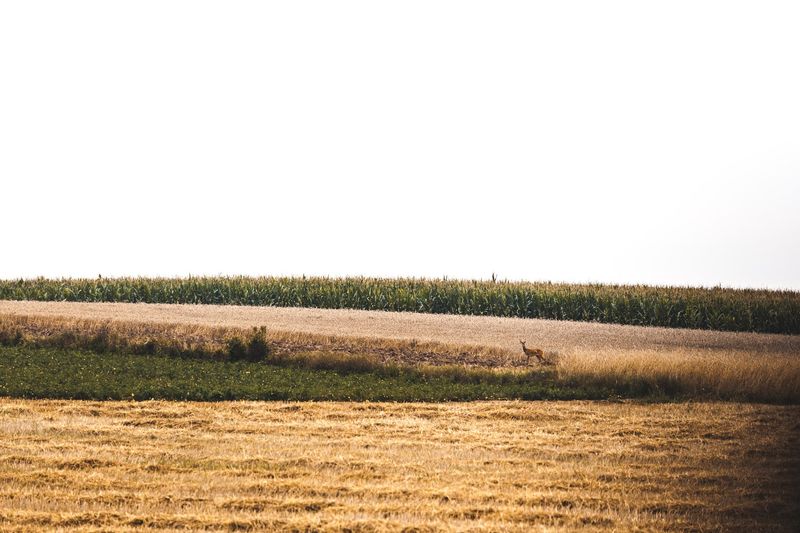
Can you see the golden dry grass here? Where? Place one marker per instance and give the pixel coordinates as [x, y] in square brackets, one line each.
[700, 373]
[751, 366]
[510, 466]
[72, 332]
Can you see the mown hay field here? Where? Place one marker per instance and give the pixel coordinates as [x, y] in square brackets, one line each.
[477, 466]
[490, 466]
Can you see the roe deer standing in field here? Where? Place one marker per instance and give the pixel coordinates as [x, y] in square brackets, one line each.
[539, 354]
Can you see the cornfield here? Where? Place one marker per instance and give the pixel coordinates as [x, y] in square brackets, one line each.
[674, 307]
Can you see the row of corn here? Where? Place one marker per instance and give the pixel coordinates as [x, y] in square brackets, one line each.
[675, 307]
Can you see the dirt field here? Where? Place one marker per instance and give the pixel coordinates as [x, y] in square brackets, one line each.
[326, 466]
[561, 336]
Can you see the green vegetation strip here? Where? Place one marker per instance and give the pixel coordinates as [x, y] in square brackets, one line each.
[675, 307]
[27, 372]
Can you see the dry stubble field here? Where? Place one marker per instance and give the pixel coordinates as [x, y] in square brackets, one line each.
[510, 466]
[475, 466]
[502, 333]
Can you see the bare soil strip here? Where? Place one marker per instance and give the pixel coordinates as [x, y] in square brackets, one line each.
[510, 466]
[502, 333]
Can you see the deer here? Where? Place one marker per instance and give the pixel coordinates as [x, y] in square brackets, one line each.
[536, 352]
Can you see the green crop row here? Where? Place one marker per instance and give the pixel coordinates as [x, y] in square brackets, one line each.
[675, 307]
[27, 372]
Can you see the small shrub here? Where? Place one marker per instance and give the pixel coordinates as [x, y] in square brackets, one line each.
[237, 350]
[149, 347]
[254, 349]
[101, 342]
[11, 338]
[66, 339]
[257, 348]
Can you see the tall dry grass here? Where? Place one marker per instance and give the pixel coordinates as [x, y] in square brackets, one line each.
[670, 371]
[212, 342]
[696, 373]
[495, 332]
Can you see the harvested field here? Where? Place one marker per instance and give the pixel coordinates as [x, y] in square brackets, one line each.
[502, 333]
[211, 341]
[509, 466]
[687, 363]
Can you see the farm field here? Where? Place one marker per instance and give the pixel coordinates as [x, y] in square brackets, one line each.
[78, 465]
[691, 363]
[400, 267]
[27, 372]
[500, 332]
[511, 466]
[674, 307]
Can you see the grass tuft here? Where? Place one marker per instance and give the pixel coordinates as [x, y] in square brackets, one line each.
[253, 349]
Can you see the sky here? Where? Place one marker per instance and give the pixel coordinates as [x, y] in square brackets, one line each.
[613, 142]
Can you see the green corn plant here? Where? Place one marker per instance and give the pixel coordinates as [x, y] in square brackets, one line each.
[677, 307]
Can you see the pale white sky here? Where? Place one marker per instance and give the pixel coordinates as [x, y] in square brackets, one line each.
[567, 141]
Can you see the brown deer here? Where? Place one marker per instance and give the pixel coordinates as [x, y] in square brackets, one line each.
[536, 352]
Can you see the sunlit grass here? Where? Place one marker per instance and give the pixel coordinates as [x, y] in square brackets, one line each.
[76, 374]
[730, 374]
[327, 466]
